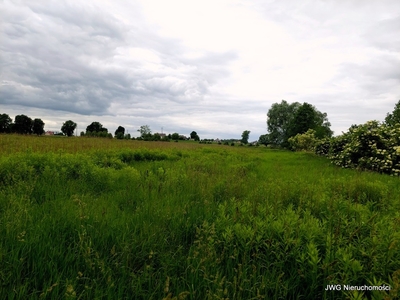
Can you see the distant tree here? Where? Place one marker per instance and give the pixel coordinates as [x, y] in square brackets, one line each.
[245, 137]
[394, 117]
[38, 126]
[279, 117]
[323, 126]
[5, 123]
[156, 137]
[194, 136]
[144, 130]
[119, 135]
[23, 124]
[82, 133]
[127, 136]
[286, 120]
[264, 139]
[68, 128]
[175, 136]
[120, 129]
[96, 127]
[308, 117]
[169, 136]
[304, 118]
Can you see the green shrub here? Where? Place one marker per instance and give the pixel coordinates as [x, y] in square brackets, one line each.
[303, 142]
[371, 146]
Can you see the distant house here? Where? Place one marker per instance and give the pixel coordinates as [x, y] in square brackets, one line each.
[49, 133]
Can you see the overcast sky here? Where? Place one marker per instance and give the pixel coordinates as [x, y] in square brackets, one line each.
[212, 66]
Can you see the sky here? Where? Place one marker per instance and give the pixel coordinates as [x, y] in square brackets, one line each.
[210, 66]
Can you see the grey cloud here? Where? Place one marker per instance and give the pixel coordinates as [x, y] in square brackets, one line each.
[63, 56]
[376, 76]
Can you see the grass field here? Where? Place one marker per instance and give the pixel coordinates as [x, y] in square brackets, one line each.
[89, 218]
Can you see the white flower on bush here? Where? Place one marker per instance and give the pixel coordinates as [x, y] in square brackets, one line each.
[373, 146]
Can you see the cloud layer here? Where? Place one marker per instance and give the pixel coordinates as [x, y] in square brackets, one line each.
[211, 66]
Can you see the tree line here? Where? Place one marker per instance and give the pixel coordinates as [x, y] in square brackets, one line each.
[25, 125]
[284, 121]
[22, 124]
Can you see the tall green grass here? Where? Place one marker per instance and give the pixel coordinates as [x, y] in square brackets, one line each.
[205, 222]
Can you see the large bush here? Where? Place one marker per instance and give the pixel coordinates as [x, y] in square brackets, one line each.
[371, 146]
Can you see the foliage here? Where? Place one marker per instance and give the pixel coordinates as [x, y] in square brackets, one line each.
[156, 137]
[323, 146]
[22, 124]
[194, 136]
[96, 127]
[308, 117]
[175, 136]
[5, 123]
[279, 117]
[371, 146]
[394, 117]
[119, 136]
[107, 219]
[69, 127]
[285, 121]
[102, 134]
[38, 126]
[303, 119]
[145, 131]
[303, 142]
[120, 132]
[264, 139]
[245, 137]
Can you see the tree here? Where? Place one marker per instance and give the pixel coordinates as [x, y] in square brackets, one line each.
[156, 137]
[175, 136]
[308, 117]
[144, 130]
[5, 123]
[96, 127]
[121, 130]
[23, 124]
[194, 136]
[68, 128]
[304, 118]
[286, 120]
[394, 117]
[38, 126]
[279, 117]
[323, 128]
[245, 137]
[264, 139]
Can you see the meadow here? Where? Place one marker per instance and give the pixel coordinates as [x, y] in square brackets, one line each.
[92, 218]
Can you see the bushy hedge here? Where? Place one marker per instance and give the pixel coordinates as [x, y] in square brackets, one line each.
[371, 146]
[303, 142]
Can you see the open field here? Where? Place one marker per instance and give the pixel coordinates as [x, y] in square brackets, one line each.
[88, 218]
